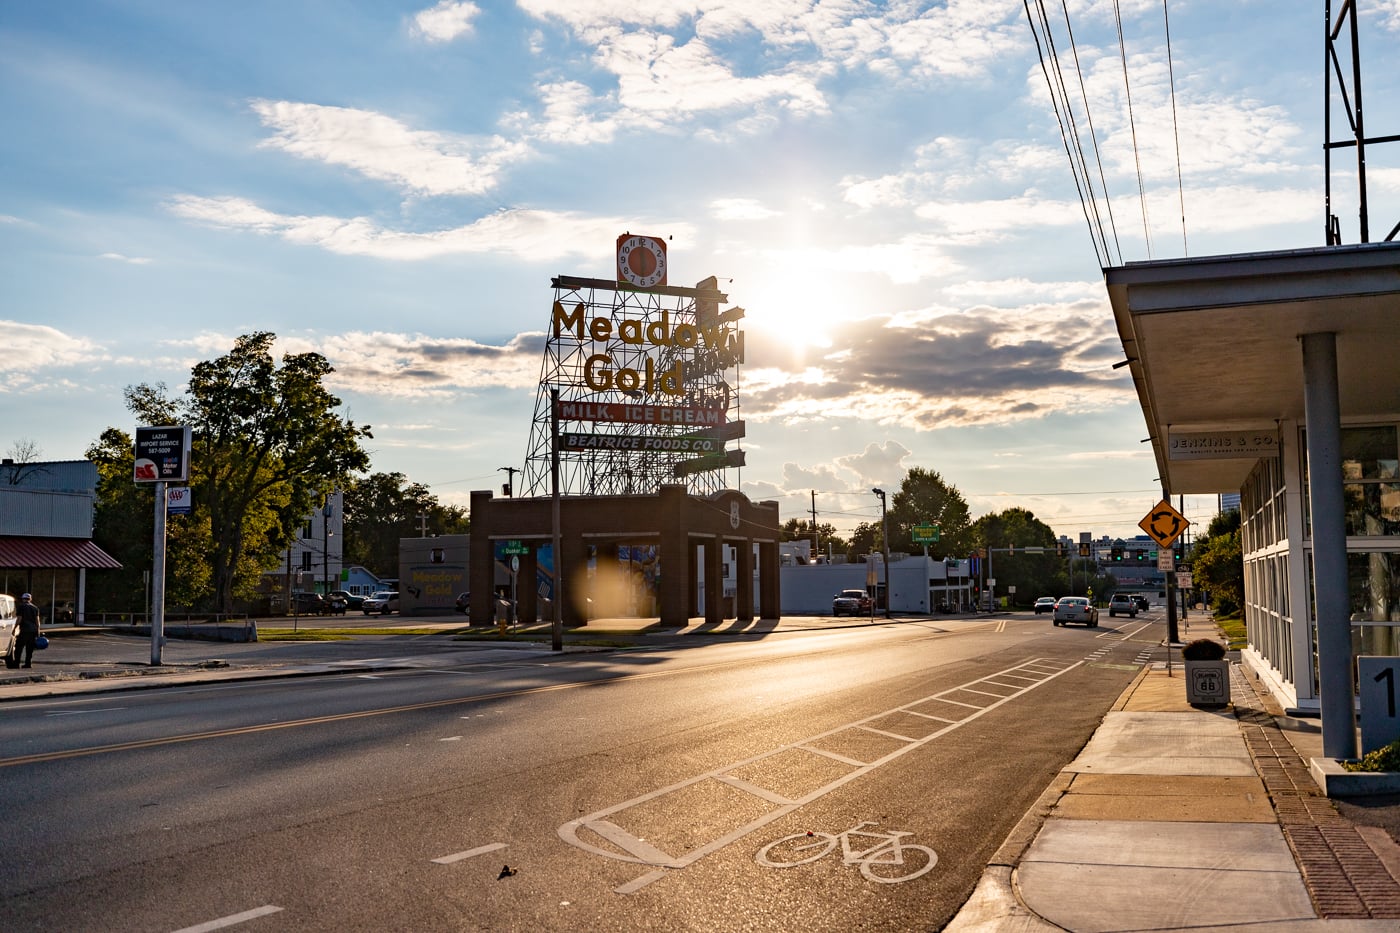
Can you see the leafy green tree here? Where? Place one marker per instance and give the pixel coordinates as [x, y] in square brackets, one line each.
[800, 529]
[1217, 562]
[865, 539]
[268, 447]
[382, 508]
[924, 498]
[1032, 574]
[122, 525]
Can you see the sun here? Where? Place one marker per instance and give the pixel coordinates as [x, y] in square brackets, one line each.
[800, 300]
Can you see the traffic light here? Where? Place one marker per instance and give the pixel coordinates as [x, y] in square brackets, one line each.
[1115, 553]
[1179, 553]
[1141, 556]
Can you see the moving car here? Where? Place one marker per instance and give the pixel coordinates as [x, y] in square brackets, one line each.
[464, 602]
[1044, 604]
[1142, 602]
[1076, 609]
[850, 602]
[383, 602]
[336, 605]
[1122, 603]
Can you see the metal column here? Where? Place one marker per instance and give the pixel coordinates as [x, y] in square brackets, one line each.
[1325, 501]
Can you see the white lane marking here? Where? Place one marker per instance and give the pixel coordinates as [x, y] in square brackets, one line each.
[369, 676]
[81, 712]
[231, 920]
[638, 851]
[479, 850]
[451, 738]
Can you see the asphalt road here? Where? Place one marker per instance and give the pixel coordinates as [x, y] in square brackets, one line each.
[630, 790]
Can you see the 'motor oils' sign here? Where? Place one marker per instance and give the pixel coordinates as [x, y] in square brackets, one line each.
[162, 455]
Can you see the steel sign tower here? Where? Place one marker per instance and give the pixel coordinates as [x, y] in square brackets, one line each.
[647, 382]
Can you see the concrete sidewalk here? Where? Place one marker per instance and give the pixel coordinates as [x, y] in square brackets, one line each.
[1176, 818]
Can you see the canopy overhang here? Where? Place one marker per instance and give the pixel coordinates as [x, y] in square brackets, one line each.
[1213, 344]
[54, 554]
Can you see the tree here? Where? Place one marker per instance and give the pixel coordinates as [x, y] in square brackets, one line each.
[1217, 562]
[382, 508]
[268, 447]
[1033, 574]
[800, 529]
[865, 539]
[24, 460]
[122, 525]
[925, 499]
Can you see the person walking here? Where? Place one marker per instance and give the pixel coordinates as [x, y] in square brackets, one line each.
[29, 629]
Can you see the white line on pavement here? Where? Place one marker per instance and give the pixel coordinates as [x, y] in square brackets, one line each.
[231, 920]
[479, 850]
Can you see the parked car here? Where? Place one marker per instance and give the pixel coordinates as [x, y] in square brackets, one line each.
[383, 602]
[850, 602]
[9, 628]
[1076, 609]
[336, 605]
[1142, 602]
[1122, 603]
[464, 602]
[351, 600]
[1044, 604]
[306, 604]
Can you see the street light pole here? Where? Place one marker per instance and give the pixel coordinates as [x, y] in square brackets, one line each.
[885, 541]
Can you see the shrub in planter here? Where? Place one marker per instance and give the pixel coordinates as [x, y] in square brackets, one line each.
[1203, 649]
[1386, 758]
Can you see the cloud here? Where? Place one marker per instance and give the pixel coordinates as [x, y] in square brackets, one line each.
[878, 463]
[418, 366]
[33, 350]
[523, 234]
[382, 148]
[445, 22]
[944, 368]
[741, 209]
[133, 260]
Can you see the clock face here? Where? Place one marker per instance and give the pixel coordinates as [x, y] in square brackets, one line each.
[641, 261]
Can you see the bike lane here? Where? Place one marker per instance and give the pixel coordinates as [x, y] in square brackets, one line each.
[749, 794]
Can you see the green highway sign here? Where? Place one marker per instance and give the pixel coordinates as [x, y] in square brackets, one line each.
[513, 548]
[924, 534]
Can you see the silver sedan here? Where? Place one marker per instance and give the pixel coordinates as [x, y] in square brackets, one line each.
[1076, 609]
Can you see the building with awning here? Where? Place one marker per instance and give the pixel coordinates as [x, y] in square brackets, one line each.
[46, 547]
[1274, 376]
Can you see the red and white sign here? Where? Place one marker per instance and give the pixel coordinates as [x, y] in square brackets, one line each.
[640, 414]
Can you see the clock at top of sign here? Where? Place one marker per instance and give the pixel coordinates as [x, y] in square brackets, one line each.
[641, 260]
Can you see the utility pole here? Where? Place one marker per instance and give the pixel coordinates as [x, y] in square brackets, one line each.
[885, 542]
[816, 540]
[509, 488]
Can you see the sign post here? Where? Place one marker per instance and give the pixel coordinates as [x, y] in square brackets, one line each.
[1164, 525]
[162, 455]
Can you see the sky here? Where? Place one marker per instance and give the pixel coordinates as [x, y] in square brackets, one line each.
[883, 187]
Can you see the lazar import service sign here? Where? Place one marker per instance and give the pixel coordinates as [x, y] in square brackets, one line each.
[162, 455]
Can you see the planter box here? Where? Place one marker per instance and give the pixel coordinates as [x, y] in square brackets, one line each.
[1208, 683]
[1336, 781]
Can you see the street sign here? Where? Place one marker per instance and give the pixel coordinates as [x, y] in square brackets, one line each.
[1164, 524]
[1183, 580]
[1166, 560]
[924, 534]
[512, 548]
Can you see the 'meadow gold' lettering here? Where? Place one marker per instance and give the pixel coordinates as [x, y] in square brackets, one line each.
[599, 375]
